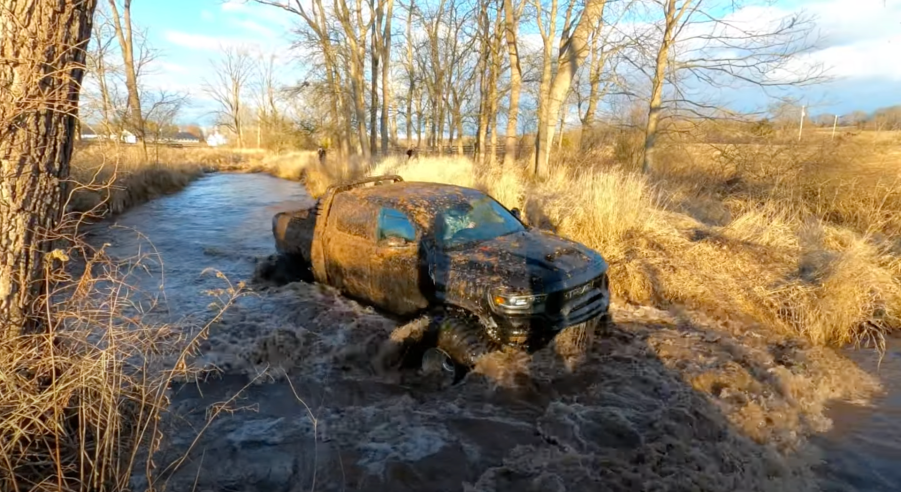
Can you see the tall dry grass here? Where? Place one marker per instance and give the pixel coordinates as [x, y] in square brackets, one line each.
[114, 178]
[798, 239]
[81, 401]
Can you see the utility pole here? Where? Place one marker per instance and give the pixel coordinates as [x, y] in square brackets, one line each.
[801, 126]
[834, 124]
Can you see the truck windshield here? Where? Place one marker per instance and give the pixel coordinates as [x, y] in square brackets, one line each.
[474, 220]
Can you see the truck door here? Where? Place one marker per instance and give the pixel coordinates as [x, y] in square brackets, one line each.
[348, 244]
[396, 265]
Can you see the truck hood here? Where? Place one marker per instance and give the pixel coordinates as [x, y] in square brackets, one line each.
[529, 261]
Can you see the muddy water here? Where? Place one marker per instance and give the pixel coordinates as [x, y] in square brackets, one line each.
[863, 450]
[177, 243]
[304, 400]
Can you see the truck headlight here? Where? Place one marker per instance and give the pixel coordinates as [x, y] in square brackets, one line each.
[515, 302]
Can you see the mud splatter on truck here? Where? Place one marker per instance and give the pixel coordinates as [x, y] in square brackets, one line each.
[410, 247]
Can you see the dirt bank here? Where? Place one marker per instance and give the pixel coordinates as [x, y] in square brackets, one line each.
[663, 402]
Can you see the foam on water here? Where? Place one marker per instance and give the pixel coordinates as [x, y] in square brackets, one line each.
[307, 393]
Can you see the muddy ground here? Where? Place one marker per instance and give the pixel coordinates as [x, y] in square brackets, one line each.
[300, 392]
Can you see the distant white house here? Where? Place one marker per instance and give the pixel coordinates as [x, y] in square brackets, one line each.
[89, 133]
[185, 138]
[216, 139]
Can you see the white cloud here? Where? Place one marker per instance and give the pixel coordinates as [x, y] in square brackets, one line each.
[174, 68]
[268, 14]
[858, 39]
[234, 6]
[256, 27]
[862, 38]
[203, 42]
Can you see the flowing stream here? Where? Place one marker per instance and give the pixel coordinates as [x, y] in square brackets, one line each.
[412, 440]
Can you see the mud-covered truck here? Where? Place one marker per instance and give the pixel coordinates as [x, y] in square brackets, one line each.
[411, 248]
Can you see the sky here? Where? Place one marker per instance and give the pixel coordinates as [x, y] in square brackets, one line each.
[861, 45]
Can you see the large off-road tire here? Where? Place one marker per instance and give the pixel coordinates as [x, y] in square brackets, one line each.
[605, 325]
[279, 269]
[462, 338]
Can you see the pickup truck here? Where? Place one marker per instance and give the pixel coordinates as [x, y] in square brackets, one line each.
[411, 247]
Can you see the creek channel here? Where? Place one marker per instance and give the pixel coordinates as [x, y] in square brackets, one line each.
[612, 425]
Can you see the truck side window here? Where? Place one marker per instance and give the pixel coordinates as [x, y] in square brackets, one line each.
[393, 223]
[352, 216]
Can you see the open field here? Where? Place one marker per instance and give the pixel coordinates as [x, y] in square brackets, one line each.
[747, 247]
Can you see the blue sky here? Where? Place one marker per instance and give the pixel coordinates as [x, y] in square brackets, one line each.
[862, 45]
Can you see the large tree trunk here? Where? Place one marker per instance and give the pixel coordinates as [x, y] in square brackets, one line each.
[482, 69]
[512, 21]
[544, 87]
[386, 70]
[573, 51]
[655, 105]
[595, 69]
[42, 55]
[411, 90]
[494, 73]
[375, 51]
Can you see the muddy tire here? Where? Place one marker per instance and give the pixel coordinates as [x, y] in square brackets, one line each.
[464, 341]
[282, 269]
[605, 325]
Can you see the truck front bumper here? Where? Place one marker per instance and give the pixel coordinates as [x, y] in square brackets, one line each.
[534, 330]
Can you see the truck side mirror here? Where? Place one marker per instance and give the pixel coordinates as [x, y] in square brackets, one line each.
[516, 213]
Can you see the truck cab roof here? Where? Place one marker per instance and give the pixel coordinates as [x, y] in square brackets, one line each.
[421, 201]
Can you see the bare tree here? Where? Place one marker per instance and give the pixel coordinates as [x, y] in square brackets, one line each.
[98, 69]
[385, 48]
[163, 108]
[701, 43]
[354, 29]
[574, 48]
[42, 55]
[512, 15]
[232, 74]
[410, 72]
[130, 65]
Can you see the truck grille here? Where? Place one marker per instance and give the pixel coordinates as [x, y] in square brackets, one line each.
[573, 301]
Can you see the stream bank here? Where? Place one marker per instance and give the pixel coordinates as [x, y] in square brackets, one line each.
[669, 401]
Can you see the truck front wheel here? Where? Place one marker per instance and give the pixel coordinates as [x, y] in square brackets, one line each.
[463, 340]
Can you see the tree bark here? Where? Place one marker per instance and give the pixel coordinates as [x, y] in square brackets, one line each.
[655, 104]
[595, 68]
[482, 68]
[493, 75]
[42, 56]
[375, 52]
[386, 71]
[412, 75]
[544, 87]
[512, 22]
[574, 49]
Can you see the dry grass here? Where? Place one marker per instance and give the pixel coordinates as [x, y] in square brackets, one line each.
[110, 178]
[799, 239]
[81, 401]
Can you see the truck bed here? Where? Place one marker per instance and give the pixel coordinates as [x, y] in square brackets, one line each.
[293, 231]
